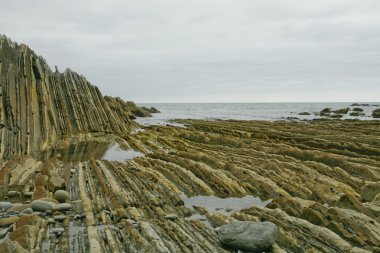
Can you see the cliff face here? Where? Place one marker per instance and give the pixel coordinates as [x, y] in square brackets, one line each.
[38, 105]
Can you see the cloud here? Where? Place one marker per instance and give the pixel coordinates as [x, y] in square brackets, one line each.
[209, 50]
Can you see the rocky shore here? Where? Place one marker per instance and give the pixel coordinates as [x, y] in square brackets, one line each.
[302, 186]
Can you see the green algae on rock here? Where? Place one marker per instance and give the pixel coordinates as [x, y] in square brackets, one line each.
[317, 179]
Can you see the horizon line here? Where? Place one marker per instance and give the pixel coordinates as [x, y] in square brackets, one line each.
[269, 102]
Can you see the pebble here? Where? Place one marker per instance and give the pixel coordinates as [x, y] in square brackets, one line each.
[13, 212]
[57, 231]
[51, 221]
[62, 207]
[59, 218]
[28, 194]
[13, 193]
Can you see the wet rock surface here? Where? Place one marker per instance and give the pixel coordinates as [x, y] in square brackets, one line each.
[320, 192]
[376, 113]
[248, 235]
[313, 176]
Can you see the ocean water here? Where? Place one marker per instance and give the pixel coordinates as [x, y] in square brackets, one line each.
[246, 111]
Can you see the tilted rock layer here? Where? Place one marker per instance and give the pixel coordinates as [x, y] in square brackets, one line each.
[38, 105]
[320, 177]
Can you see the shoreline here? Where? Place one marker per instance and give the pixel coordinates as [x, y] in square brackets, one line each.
[77, 174]
[314, 174]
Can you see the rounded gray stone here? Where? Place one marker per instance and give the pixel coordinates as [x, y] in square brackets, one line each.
[13, 193]
[5, 205]
[41, 206]
[51, 221]
[61, 196]
[59, 218]
[28, 194]
[248, 235]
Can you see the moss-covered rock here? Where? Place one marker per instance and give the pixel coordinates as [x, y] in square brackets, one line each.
[342, 111]
[376, 113]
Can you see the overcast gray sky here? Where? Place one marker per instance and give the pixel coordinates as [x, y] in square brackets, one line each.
[208, 50]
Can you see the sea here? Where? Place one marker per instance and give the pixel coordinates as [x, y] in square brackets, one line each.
[247, 111]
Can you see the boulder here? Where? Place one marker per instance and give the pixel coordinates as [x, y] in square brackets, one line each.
[357, 109]
[326, 110]
[376, 113]
[369, 191]
[61, 196]
[41, 206]
[342, 111]
[248, 235]
[13, 193]
[304, 113]
[5, 205]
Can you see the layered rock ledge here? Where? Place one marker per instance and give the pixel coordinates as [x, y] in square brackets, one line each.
[318, 180]
[39, 106]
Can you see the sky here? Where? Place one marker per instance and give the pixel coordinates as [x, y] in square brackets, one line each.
[208, 50]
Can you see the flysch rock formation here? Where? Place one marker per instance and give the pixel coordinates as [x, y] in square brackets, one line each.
[318, 181]
[39, 106]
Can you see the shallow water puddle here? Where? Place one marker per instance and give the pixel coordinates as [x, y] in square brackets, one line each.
[224, 205]
[87, 150]
[116, 153]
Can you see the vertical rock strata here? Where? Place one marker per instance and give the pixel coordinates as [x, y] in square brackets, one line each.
[39, 106]
[320, 179]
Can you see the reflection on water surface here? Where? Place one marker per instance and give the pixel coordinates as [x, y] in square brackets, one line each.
[87, 150]
[223, 205]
